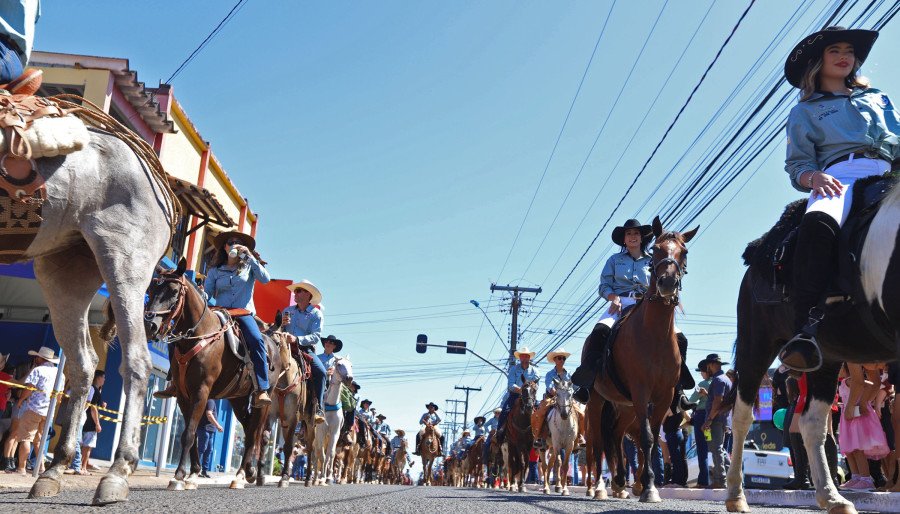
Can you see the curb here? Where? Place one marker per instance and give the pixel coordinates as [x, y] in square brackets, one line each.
[881, 502]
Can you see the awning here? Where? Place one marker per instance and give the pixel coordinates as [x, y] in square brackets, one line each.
[199, 202]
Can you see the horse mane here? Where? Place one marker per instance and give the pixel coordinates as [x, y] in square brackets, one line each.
[759, 252]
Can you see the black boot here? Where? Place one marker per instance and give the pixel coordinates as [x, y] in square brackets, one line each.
[591, 358]
[582, 395]
[801, 466]
[686, 380]
[814, 263]
[416, 451]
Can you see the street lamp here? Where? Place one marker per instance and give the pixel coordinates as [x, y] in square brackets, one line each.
[478, 306]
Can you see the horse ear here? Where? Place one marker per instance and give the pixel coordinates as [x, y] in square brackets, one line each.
[657, 227]
[278, 319]
[182, 266]
[690, 234]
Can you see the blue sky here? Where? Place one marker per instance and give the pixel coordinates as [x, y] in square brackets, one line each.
[392, 148]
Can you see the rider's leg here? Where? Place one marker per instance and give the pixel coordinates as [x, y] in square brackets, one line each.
[686, 381]
[257, 349]
[10, 63]
[504, 413]
[579, 413]
[537, 420]
[418, 438]
[169, 391]
[591, 353]
[318, 381]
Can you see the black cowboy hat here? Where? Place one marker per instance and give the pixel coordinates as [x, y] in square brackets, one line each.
[357, 386]
[381, 416]
[812, 46]
[477, 418]
[713, 357]
[618, 234]
[246, 239]
[431, 404]
[701, 366]
[366, 401]
[338, 344]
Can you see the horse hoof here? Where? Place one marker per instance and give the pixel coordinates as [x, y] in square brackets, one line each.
[546, 490]
[112, 489]
[283, 483]
[622, 495]
[601, 494]
[565, 492]
[557, 488]
[236, 484]
[737, 505]
[190, 485]
[842, 508]
[175, 485]
[650, 496]
[590, 493]
[44, 488]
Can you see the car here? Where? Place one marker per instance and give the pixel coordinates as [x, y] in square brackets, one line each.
[767, 469]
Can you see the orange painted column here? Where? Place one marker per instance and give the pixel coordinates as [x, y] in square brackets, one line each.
[253, 226]
[201, 178]
[243, 217]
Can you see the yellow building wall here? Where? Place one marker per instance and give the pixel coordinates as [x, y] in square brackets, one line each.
[95, 82]
[215, 183]
[180, 156]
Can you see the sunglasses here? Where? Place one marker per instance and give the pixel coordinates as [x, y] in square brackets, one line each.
[560, 358]
[233, 242]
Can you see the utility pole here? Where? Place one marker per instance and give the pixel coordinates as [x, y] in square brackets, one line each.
[514, 309]
[453, 425]
[466, 408]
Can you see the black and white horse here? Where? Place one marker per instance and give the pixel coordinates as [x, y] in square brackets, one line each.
[762, 328]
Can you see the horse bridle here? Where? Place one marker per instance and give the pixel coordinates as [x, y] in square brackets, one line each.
[177, 310]
[680, 272]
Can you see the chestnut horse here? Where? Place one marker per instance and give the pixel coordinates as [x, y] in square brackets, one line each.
[519, 438]
[644, 352]
[429, 446]
[204, 368]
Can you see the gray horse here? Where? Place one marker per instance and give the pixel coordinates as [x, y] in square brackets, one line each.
[106, 219]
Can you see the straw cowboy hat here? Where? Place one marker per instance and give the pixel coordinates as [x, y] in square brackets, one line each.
[524, 351]
[618, 233]
[498, 410]
[431, 404]
[477, 418]
[400, 432]
[338, 344]
[246, 239]
[560, 352]
[466, 431]
[45, 353]
[307, 286]
[812, 46]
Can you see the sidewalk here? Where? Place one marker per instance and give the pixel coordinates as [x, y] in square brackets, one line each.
[142, 478]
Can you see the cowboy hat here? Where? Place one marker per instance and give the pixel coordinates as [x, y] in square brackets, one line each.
[559, 352]
[246, 239]
[524, 351]
[812, 46]
[618, 233]
[714, 357]
[431, 404]
[338, 344]
[45, 353]
[400, 432]
[381, 416]
[366, 401]
[466, 431]
[477, 418]
[307, 286]
[701, 366]
[356, 385]
[498, 410]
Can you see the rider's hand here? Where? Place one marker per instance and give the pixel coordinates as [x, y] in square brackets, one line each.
[703, 391]
[824, 185]
[615, 305]
[330, 371]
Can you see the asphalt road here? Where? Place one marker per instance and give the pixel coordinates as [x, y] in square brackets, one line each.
[356, 499]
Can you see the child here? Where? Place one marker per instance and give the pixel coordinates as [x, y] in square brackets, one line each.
[860, 438]
[841, 131]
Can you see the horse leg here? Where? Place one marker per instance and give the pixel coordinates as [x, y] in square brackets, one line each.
[240, 406]
[190, 483]
[648, 443]
[70, 280]
[563, 471]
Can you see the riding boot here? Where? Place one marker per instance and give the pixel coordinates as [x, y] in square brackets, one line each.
[686, 380]
[814, 263]
[801, 466]
[582, 395]
[168, 392]
[591, 358]
[418, 436]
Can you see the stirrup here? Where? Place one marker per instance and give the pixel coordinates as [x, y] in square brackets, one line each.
[801, 353]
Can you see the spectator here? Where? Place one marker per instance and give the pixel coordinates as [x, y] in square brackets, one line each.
[631, 461]
[32, 407]
[796, 393]
[717, 417]
[75, 466]
[675, 443]
[698, 418]
[298, 471]
[205, 430]
[92, 427]
[533, 473]
[5, 396]
[860, 438]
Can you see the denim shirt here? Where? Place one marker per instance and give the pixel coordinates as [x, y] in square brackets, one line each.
[491, 424]
[551, 375]
[517, 373]
[383, 428]
[479, 430]
[327, 359]
[233, 289]
[397, 441]
[307, 324]
[624, 274]
[429, 417]
[827, 126]
[17, 20]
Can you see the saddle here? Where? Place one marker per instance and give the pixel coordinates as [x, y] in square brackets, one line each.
[234, 339]
[607, 365]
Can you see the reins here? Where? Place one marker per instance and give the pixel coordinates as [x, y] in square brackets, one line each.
[680, 272]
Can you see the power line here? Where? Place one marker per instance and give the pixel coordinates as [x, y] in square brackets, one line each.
[233, 12]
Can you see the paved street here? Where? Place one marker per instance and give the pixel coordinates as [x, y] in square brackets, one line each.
[358, 498]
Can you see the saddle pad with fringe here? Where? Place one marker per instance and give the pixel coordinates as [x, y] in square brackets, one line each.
[35, 127]
[232, 337]
[19, 225]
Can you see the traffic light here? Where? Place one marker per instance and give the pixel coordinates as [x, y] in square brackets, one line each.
[456, 347]
[421, 342]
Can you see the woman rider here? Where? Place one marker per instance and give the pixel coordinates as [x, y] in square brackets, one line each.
[558, 359]
[842, 130]
[230, 280]
[625, 279]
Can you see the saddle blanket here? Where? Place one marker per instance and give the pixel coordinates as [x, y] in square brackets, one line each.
[50, 137]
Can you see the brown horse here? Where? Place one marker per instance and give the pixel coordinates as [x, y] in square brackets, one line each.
[519, 438]
[644, 354]
[204, 368]
[473, 463]
[429, 449]
[398, 462]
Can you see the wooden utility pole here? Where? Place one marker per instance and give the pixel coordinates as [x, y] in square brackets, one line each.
[466, 407]
[514, 309]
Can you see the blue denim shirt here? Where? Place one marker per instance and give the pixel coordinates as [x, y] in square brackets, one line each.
[233, 288]
[479, 431]
[491, 424]
[307, 324]
[383, 428]
[552, 375]
[397, 441]
[720, 385]
[624, 274]
[429, 417]
[366, 415]
[327, 359]
[516, 373]
[827, 126]
[17, 20]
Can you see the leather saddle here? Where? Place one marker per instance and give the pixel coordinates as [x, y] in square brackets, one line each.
[233, 337]
[607, 365]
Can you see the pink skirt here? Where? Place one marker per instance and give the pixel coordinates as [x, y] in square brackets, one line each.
[863, 433]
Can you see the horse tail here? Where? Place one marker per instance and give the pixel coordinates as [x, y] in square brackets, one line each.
[108, 330]
[608, 417]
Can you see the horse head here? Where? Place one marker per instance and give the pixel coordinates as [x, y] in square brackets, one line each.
[529, 396]
[343, 368]
[167, 296]
[564, 392]
[669, 263]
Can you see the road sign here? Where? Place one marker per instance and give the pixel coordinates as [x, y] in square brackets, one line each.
[456, 347]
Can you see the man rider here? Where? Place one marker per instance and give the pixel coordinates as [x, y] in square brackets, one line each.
[430, 418]
[519, 373]
[305, 321]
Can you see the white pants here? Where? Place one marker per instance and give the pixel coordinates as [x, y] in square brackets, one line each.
[609, 318]
[848, 172]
